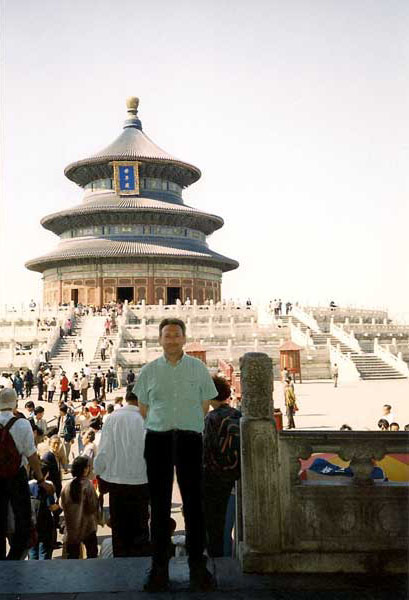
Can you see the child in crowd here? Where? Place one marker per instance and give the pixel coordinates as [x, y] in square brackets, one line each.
[44, 506]
[80, 504]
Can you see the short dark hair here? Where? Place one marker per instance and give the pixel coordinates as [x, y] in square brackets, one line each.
[346, 427]
[110, 408]
[382, 423]
[406, 428]
[178, 322]
[388, 406]
[394, 423]
[29, 404]
[130, 396]
[223, 388]
[64, 408]
[38, 410]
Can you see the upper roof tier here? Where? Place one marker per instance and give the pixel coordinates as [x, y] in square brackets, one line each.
[133, 144]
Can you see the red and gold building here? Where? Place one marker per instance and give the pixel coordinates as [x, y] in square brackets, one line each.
[132, 237]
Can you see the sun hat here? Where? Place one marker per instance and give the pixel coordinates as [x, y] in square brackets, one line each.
[8, 399]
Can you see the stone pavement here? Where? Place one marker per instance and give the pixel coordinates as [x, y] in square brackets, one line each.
[122, 579]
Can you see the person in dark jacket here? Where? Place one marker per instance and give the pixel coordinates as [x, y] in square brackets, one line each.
[40, 385]
[66, 431]
[52, 458]
[28, 382]
[97, 387]
[18, 385]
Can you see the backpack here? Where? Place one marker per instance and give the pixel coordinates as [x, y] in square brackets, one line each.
[224, 445]
[10, 458]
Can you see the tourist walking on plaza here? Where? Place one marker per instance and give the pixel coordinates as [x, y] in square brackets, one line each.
[79, 502]
[66, 431]
[51, 385]
[18, 385]
[290, 403]
[64, 387]
[122, 439]
[17, 446]
[97, 387]
[103, 349]
[28, 382]
[40, 385]
[335, 374]
[174, 392]
[84, 385]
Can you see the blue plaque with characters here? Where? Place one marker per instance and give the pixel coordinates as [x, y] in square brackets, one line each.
[126, 178]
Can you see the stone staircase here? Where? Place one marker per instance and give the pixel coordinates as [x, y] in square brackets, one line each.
[61, 355]
[369, 366]
[97, 360]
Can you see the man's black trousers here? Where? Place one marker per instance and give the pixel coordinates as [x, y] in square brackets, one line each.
[17, 492]
[129, 513]
[163, 452]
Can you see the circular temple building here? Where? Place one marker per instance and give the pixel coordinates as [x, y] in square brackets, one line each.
[132, 237]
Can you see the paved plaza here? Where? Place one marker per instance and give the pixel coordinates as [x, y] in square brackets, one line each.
[321, 406]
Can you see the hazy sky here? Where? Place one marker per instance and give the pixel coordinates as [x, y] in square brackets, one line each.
[296, 113]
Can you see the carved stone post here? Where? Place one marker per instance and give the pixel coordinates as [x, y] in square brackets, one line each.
[260, 480]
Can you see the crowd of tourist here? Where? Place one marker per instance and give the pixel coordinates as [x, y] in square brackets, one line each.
[128, 452]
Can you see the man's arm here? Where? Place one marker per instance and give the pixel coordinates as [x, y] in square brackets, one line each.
[206, 406]
[143, 409]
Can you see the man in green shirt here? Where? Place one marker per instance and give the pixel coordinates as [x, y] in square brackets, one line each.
[174, 392]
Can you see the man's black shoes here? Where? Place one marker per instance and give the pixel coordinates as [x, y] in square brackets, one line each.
[201, 579]
[157, 579]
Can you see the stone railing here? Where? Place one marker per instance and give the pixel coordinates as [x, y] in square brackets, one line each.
[290, 525]
[307, 318]
[345, 338]
[345, 312]
[299, 337]
[182, 311]
[22, 312]
[393, 361]
[347, 371]
[375, 328]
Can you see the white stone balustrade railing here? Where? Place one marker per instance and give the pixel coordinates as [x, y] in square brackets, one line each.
[345, 338]
[307, 318]
[315, 526]
[181, 311]
[299, 337]
[347, 371]
[321, 312]
[22, 312]
[391, 328]
[393, 361]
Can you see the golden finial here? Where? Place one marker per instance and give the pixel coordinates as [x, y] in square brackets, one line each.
[132, 103]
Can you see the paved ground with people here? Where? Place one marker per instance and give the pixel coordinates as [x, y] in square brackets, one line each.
[321, 407]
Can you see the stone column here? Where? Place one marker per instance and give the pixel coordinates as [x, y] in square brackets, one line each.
[259, 460]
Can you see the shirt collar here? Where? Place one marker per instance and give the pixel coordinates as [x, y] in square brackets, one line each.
[167, 362]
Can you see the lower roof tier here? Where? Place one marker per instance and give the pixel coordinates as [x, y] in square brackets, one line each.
[75, 251]
[108, 208]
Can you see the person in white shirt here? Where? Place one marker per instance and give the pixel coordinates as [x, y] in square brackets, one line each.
[14, 488]
[388, 414]
[121, 466]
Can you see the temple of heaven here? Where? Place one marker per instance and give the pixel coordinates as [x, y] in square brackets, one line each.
[132, 237]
